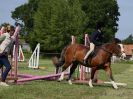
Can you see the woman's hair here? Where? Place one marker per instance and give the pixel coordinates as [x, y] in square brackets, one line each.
[10, 28]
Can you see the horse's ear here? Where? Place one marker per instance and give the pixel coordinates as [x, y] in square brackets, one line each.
[116, 40]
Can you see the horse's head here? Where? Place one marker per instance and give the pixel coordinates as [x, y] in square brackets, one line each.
[119, 48]
[114, 47]
[123, 55]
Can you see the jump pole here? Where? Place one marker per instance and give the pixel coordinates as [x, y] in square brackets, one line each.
[73, 41]
[17, 30]
[84, 69]
[20, 54]
[47, 77]
[14, 58]
[119, 84]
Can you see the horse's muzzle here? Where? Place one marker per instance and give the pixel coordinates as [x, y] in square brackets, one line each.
[123, 54]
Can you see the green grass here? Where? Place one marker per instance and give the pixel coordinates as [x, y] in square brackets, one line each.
[62, 90]
[46, 67]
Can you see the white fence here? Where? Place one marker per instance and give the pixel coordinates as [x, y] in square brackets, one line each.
[34, 60]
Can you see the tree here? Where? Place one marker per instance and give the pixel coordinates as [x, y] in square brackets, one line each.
[52, 22]
[101, 11]
[55, 22]
[128, 40]
[25, 14]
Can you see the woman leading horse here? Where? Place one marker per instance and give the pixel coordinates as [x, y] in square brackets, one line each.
[74, 54]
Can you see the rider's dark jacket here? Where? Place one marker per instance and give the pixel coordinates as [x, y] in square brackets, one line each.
[97, 38]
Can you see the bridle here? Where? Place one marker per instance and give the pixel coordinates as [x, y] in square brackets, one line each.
[106, 50]
[111, 53]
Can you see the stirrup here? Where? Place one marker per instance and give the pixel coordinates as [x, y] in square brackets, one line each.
[84, 61]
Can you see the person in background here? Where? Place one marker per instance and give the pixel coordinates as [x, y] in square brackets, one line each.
[95, 40]
[6, 40]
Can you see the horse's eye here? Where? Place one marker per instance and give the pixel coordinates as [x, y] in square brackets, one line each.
[119, 46]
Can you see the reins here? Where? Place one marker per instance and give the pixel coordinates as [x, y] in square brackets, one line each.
[106, 50]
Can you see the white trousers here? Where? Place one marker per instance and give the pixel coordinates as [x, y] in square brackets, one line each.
[92, 46]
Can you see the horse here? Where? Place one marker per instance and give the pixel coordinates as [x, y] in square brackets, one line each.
[115, 58]
[73, 54]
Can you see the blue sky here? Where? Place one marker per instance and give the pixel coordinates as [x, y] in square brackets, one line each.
[125, 20]
[6, 6]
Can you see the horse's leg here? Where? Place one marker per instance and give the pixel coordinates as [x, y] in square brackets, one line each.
[95, 79]
[72, 69]
[93, 70]
[65, 66]
[109, 73]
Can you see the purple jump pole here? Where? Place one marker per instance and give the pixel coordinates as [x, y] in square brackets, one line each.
[39, 78]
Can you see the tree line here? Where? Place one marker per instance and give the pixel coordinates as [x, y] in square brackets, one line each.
[52, 22]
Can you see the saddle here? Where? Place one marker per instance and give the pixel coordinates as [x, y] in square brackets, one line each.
[92, 54]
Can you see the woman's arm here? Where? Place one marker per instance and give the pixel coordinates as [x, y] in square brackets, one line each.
[16, 33]
[2, 37]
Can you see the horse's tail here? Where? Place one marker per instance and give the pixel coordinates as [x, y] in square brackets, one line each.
[58, 62]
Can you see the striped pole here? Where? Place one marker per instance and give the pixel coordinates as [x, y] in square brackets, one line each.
[17, 30]
[15, 54]
[84, 69]
[73, 39]
[87, 41]
[20, 54]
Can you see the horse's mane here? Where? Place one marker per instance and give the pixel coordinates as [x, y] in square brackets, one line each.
[105, 44]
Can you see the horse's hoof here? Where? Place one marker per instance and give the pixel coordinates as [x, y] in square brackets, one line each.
[70, 82]
[90, 83]
[115, 87]
[91, 86]
[59, 80]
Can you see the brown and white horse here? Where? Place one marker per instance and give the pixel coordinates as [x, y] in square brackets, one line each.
[73, 54]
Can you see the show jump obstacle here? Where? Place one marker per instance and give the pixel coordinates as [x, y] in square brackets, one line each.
[34, 59]
[14, 70]
[34, 62]
[84, 69]
[21, 57]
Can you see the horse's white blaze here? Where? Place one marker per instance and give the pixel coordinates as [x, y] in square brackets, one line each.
[114, 85]
[61, 77]
[123, 55]
[90, 83]
[122, 47]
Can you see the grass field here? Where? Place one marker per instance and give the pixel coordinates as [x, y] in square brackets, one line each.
[62, 90]
[46, 67]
